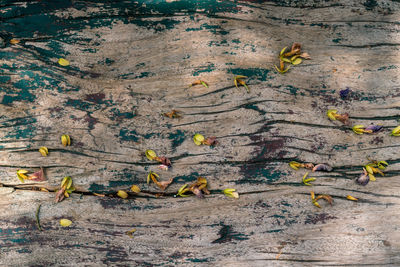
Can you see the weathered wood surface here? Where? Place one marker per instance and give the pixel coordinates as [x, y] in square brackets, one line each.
[132, 61]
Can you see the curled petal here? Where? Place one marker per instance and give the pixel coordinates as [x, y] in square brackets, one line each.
[164, 184]
[65, 140]
[331, 114]
[210, 141]
[60, 195]
[230, 192]
[396, 131]
[150, 154]
[373, 128]
[322, 167]
[358, 129]
[328, 198]
[295, 165]
[308, 166]
[305, 55]
[312, 195]
[164, 161]
[44, 151]
[316, 204]
[37, 176]
[351, 198]
[363, 179]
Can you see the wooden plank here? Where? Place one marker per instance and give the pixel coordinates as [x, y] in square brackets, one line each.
[130, 62]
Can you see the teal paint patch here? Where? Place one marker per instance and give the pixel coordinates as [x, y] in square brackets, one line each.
[187, 178]
[117, 115]
[177, 138]
[198, 260]
[293, 90]
[391, 67]
[236, 41]
[209, 68]
[128, 135]
[340, 147]
[337, 40]
[252, 73]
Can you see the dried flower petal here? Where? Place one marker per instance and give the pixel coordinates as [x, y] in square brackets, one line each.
[230, 192]
[305, 55]
[37, 176]
[396, 131]
[344, 93]
[164, 184]
[239, 79]
[328, 198]
[363, 179]
[65, 140]
[65, 222]
[130, 233]
[122, 194]
[373, 128]
[164, 161]
[322, 167]
[60, 195]
[21, 175]
[283, 51]
[150, 154]
[331, 114]
[183, 190]
[197, 82]
[63, 62]
[351, 198]
[295, 165]
[14, 41]
[44, 151]
[135, 189]
[153, 176]
[358, 129]
[210, 141]
[312, 195]
[296, 61]
[172, 114]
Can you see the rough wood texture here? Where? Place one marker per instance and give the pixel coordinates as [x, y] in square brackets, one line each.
[132, 61]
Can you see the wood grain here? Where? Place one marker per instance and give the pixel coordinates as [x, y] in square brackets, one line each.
[132, 61]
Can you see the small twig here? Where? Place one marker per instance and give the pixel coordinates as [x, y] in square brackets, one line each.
[37, 218]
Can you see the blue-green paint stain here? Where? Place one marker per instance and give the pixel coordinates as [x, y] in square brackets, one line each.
[128, 135]
[391, 67]
[187, 178]
[337, 40]
[198, 260]
[252, 73]
[293, 90]
[275, 231]
[236, 41]
[177, 138]
[340, 147]
[116, 114]
[203, 69]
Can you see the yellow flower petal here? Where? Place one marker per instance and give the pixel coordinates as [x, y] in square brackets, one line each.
[63, 62]
[351, 198]
[44, 151]
[135, 189]
[150, 154]
[65, 140]
[65, 222]
[122, 194]
[198, 139]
